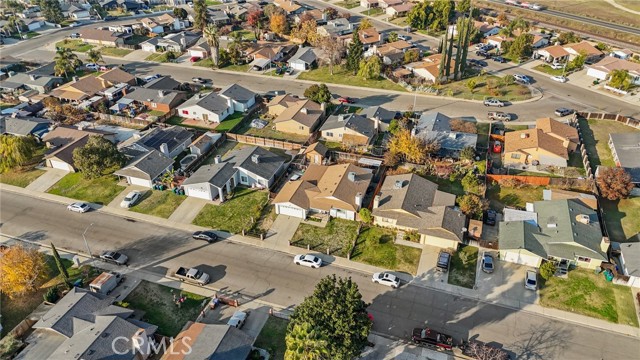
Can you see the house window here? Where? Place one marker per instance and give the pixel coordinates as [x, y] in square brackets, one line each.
[244, 179]
[154, 105]
[515, 156]
[584, 259]
[301, 127]
[329, 134]
[339, 135]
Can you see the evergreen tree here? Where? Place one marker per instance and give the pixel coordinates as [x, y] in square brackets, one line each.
[355, 53]
[61, 268]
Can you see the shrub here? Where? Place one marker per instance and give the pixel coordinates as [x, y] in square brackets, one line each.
[123, 304]
[547, 270]
[9, 345]
[51, 296]
[365, 215]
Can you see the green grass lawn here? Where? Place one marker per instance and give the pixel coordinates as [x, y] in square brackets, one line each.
[463, 267]
[230, 122]
[348, 4]
[452, 187]
[622, 218]
[159, 57]
[239, 68]
[100, 191]
[136, 39]
[511, 92]
[158, 203]
[268, 132]
[74, 45]
[212, 2]
[375, 247]
[235, 214]
[483, 135]
[159, 309]
[596, 136]
[332, 145]
[208, 63]
[20, 178]
[501, 196]
[548, 70]
[587, 293]
[116, 52]
[342, 76]
[373, 11]
[271, 337]
[338, 235]
[246, 34]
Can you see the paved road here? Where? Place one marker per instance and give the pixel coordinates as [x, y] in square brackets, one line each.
[272, 277]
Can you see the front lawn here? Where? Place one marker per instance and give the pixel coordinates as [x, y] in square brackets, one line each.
[463, 267]
[236, 214]
[502, 196]
[269, 132]
[115, 52]
[338, 236]
[239, 68]
[158, 203]
[161, 57]
[373, 11]
[159, 308]
[548, 70]
[74, 45]
[230, 122]
[595, 135]
[587, 293]
[17, 177]
[348, 4]
[375, 246]
[271, 337]
[622, 218]
[212, 2]
[511, 92]
[344, 77]
[99, 191]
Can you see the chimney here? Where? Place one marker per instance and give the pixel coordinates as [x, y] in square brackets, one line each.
[376, 123]
[323, 107]
[376, 201]
[453, 135]
[164, 148]
[161, 93]
[341, 117]
[352, 176]
[398, 184]
[33, 77]
[604, 244]
[524, 136]
[216, 160]
[304, 111]
[358, 200]
[255, 158]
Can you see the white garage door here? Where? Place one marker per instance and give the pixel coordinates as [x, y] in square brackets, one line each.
[140, 182]
[56, 164]
[198, 193]
[522, 259]
[291, 211]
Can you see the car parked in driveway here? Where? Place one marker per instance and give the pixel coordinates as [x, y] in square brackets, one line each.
[490, 217]
[114, 257]
[131, 199]
[238, 319]
[385, 278]
[531, 280]
[487, 262]
[493, 102]
[308, 260]
[563, 112]
[195, 59]
[207, 235]
[79, 207]
[444, 260]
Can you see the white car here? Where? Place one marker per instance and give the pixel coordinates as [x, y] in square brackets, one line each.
[131, 199]
[559, 78]
[556, 66]
[531, 280]
[79, 207]
[92, 66]
[535, 7]
[385, 278]
[522, 78]
[308, 260]
[493, 102]
[152, 77]
[238, 319]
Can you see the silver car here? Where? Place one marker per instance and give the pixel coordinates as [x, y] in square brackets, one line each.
[114, 257]
[79, 207]
[238, 319]
[131, 199]
[531, 280]
[493, 102]
[385, 278]
[308, 260]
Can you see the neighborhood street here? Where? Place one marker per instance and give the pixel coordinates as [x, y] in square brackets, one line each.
[272, 277]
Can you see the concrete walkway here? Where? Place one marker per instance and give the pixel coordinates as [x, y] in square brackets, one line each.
[282, 230]
[188, 210]
[47, 180]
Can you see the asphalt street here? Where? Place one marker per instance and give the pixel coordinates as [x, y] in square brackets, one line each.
[272, 277]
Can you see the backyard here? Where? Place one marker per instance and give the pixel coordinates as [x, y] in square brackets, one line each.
[511, 92]
[269, 132]
[463, 267]
[247, 35]
[587, 293]
[501, 196]
[622, 218]
[99, 191]
[446, 185]
[375, 246]
[159, 308]
[595, 135]
[158, 203]
[483, 135]
[236, 214]
[271, 337]
[74, 45]
[342, 76]
[338, 236]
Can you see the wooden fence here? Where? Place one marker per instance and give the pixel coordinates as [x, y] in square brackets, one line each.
[531, 180]
[260, 141]
[629, 121]
[135, 121]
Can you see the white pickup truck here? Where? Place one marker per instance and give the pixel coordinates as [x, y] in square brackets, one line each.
[192, 275]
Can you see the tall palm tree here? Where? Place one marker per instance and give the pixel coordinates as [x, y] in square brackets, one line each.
[95, 56]
[303, 343]
[212, 36]
[66, 62]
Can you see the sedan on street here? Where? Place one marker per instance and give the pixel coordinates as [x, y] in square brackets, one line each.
[131, 199]
[563, 112]
[79, 207]
[385, 278]
[346, 100]
[207, 235]
[114, 257]
[308, 260]
[487, 263]
[499, 59]
[198, 80]
[559, 78]
[493, 102]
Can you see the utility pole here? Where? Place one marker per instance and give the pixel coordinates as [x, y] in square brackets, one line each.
[85, 239]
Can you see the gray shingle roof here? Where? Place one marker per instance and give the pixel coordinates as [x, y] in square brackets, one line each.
[163, 83]
[627, 147]
[147, 166]
[142, 94]
[377, 111]
[355, 122]
[37, 80]
[238, 93]
[24, 126]
[267, 166]
[215, 174]
[212, 102]
[435, 126]
[305, 55]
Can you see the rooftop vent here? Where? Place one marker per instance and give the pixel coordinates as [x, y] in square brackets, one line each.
[255, 158]
[524, 136]
[304, 111]
[552, 225]
[583, 218]
[352, 176]
[398, 184]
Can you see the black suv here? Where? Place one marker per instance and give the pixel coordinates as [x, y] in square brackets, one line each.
[444, 259]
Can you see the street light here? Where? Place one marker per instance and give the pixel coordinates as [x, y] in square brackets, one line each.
[85, 240]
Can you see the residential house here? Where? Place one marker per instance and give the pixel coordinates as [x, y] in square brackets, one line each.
[391, 53]
[178, 42]
[497, 40]
[336, 190]
[370, 37]
[169, 141]
[90, 85]
[210, 342]
[625, 149]
[351, 130]
[24, 126]
[540, 40]
[128, 5]
[552, 54]
[316, 14]
[156, 100]
[380, 114]
[584, 48]
[163, 23]
[294, 115]
[627, 258]
[251, 166]
[242, 99]
[304, 59]
[400, 9]
[411, 203]
[558, 230]
[387, 3]
[436, 127]
[74, 11]
[486, 29]
[201, 49]
[623, 54]
[369, 4]
[240, 11]
[103, 37]
[429, 67]
[290, 7]
[549, 144]
[604, 67]
[215, 107]
[33, 24]
[145, 168]
[317, 153]
[40, 83]
[215, 16]
[86, 325]
[263, 55]
[63, 140]
[336, 27]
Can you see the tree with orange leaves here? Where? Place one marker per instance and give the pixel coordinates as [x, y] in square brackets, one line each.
[21, 270]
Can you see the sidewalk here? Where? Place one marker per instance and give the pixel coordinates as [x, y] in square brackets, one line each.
[426, 280]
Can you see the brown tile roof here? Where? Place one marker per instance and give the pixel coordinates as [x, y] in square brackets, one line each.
[287, 5]
[318, 147]
[402, 7]
[534, 139]
[584, 46]
[395, 46]
[499, 39]
[548, 125]
[63, 135]
[610, 63]
[81, 89]
[285, 100]
[116, 76]
[303, 111]
[556, 51]
[369, 35]
[482, 27]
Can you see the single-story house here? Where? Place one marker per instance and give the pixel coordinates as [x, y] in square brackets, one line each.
[368, 4]
[146, 168]
[33, 24]
[349, 130]
[549, 144]
[552, 54]
[200, 50]
[318, 15]
[540, 40]
[436, 127]
[102, 37]
[63, 140]
[173, 42]
[88, 86]
[163, 23]
[215, 16]
[563, 230]
[242, 99]
[584, 48]
[336, 27]
[210, 342]
[486, 29]
[19, 126]
[382, 115]
[40, 83]
[409, 202]
[304, 59]
[429, 67]
[625, 149]
[497, 40]
[206, 107]
[294, 115]
[290, 7]
[156, 100]
[370, 36]
[391, 53]
[170, 141]
[400, 9]
[387, 3]
[337, 190]
[602, 68]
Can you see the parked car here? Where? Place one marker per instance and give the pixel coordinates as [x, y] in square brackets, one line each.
[198, 80]
[92, 66]
[195, 59]
[490, 217]
[524, 79]
[531, 280]
[109, 18]
[536, 7]
[483, 54]
[499, 115]
[207, 235]
[79, 207]
[479, 46]
[131, 199]
[556, 66]
[559, 78]
[308, 260]
[386, 278]
[106, 282]
[346, 100]
[404, 37]
[238, 319]
[493, 102]
[499, 59]
[487, 262]
[563, 112]
[74, 35]
[192, 275]
[444, 259]
[152, 77]
[114, 257]
[289, 71]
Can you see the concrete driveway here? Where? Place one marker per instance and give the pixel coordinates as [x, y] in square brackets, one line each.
[282, 230]
[506, 283]
[118, 199]
[188, 210]
[47, 180]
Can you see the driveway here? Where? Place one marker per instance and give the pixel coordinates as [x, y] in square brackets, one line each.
[188, 210]
[115, 203]
[137, 55]
[505, 284]
[47, 180]
[282, 230]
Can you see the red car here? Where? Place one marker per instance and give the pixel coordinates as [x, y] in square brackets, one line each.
[346, 100]
[497, 147]
[194, 59]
